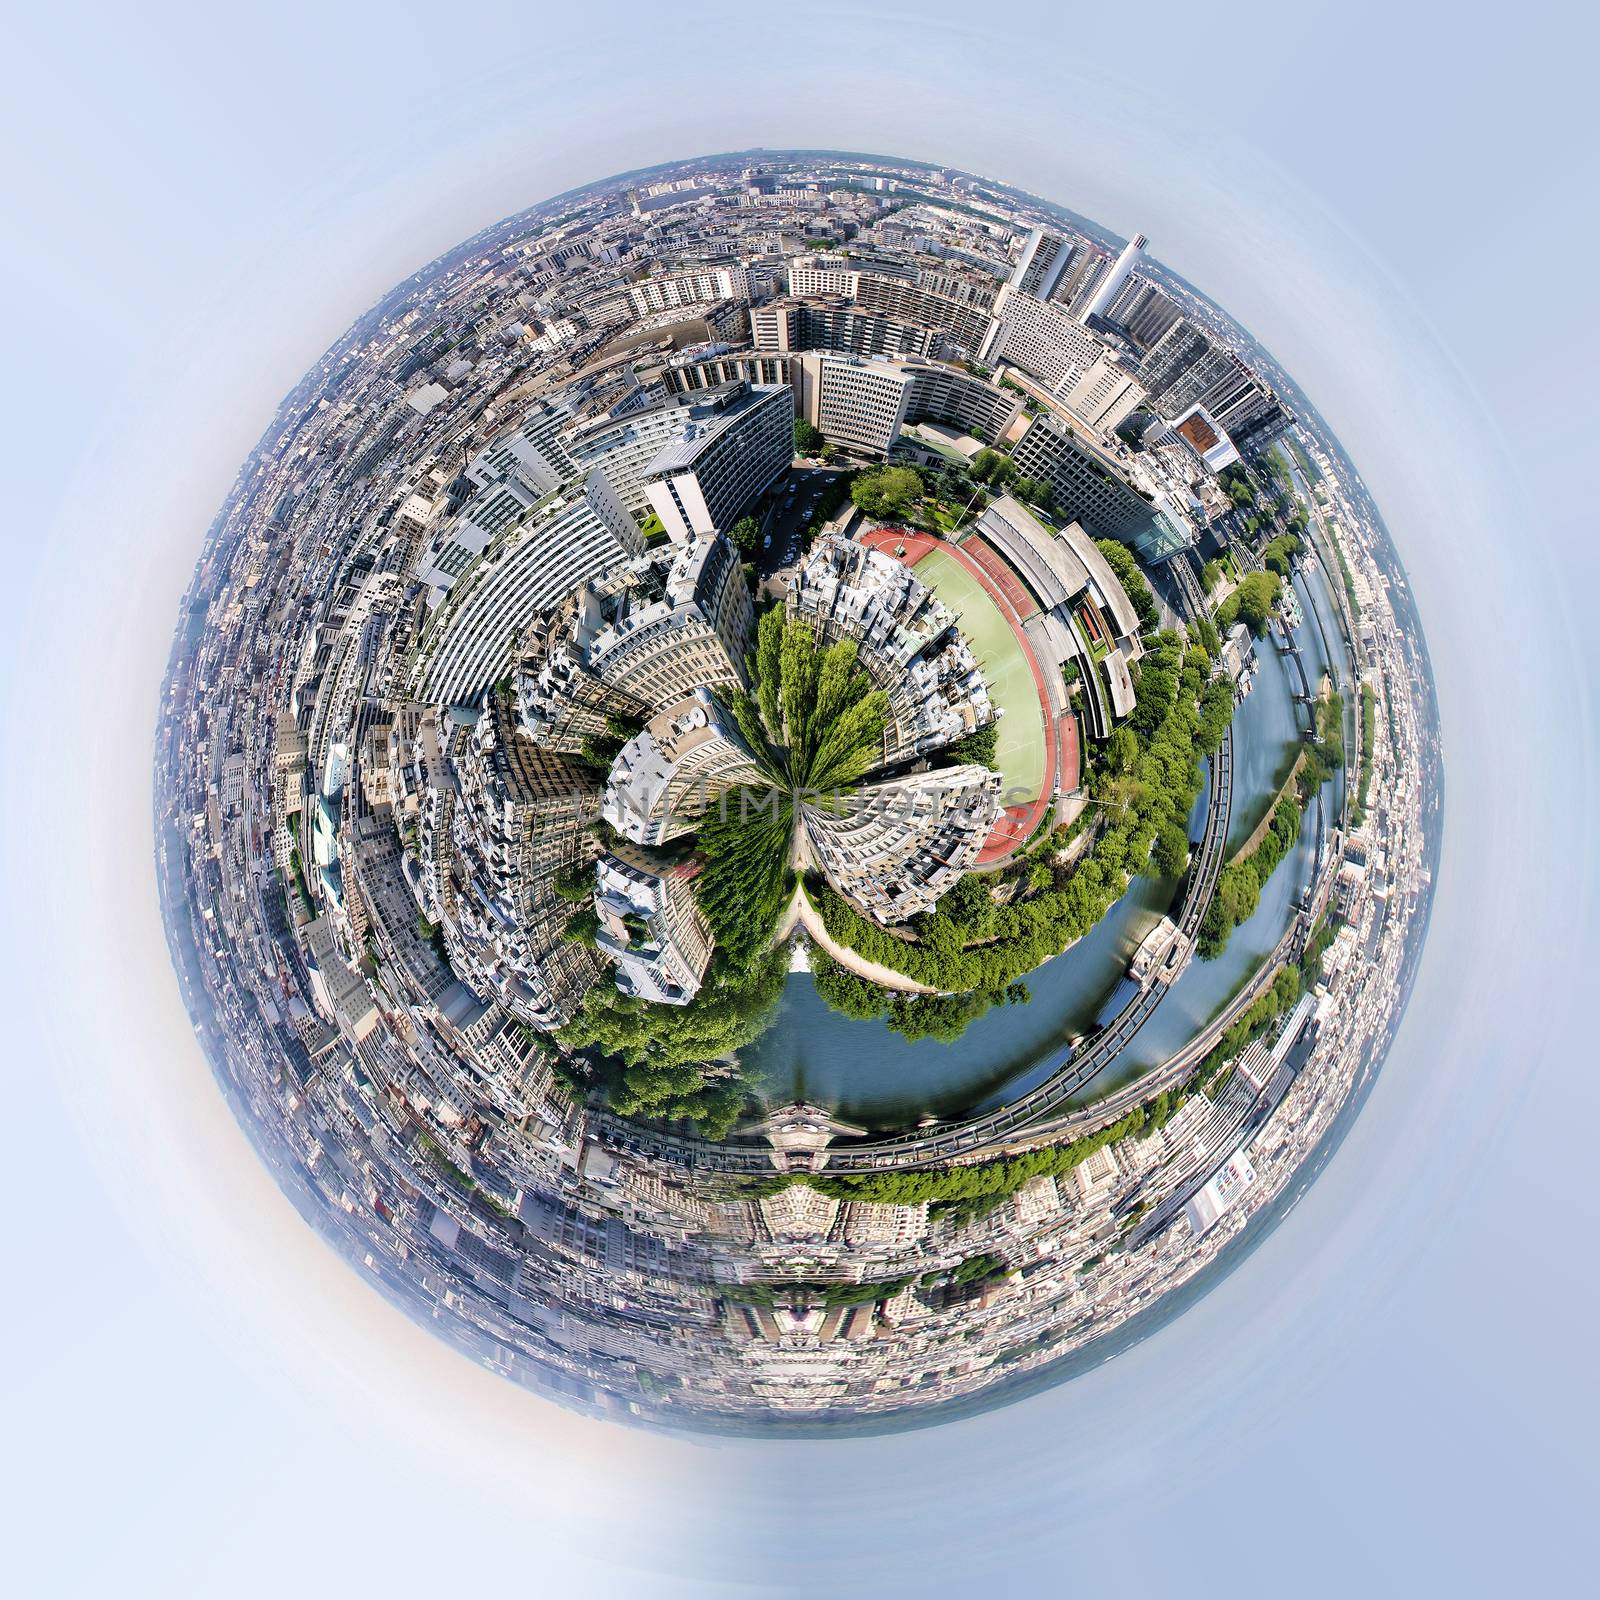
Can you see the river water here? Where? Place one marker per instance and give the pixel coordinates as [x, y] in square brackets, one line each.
[872, 1076]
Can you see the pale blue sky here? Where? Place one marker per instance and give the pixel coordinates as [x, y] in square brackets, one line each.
[1393, 1393]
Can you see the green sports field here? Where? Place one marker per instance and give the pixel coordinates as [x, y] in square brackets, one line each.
[1005, 664]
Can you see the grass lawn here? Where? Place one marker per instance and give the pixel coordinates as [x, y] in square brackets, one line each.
[1020, 751]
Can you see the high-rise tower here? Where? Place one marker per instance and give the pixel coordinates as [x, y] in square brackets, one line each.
[1132, 255]
[1044, 258]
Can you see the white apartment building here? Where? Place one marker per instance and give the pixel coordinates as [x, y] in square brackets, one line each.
[669, 776]
[864, 403]
[906, 640]
[1042, 338]
[651, 928]
[1106, 394]
[557, 545]
[893, 849]
[675, 289]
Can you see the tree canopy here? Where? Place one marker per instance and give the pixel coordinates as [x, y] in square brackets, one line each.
[812, 718]
[888, 491]
[745, 533]
[1251, 603]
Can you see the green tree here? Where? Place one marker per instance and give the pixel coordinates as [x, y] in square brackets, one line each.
[574, 884]
[969, 903]
[1035, 491]
[1280, 552]
[743, 885]
[937, 1016]
[979, 748]
[1251, 603]
[844, 992]
[808, 437]
[888, 492]
[1171, 853]
[668, 1063]
[1122, 750]
[746, 534]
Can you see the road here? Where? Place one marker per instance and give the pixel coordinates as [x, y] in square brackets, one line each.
[794, 505]
[802, 914]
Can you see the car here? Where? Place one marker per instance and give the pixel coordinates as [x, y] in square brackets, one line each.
[766, 543]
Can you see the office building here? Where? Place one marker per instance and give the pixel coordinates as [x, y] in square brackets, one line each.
[1184, 369]
[962, 321]
[1198, 429]
[498, 504]
[1086, 482]
[966, 286]
[684, 622]
[1105, 394]
[962, 324]
[1177, 349]
[1142, 312]
[1220, 1193]
[625, 446]
[532, 451]
[696, 372]
[857, 403]
[1078, 281]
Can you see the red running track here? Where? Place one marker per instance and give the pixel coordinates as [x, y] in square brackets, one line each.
[993, 565]
[1062, 754]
